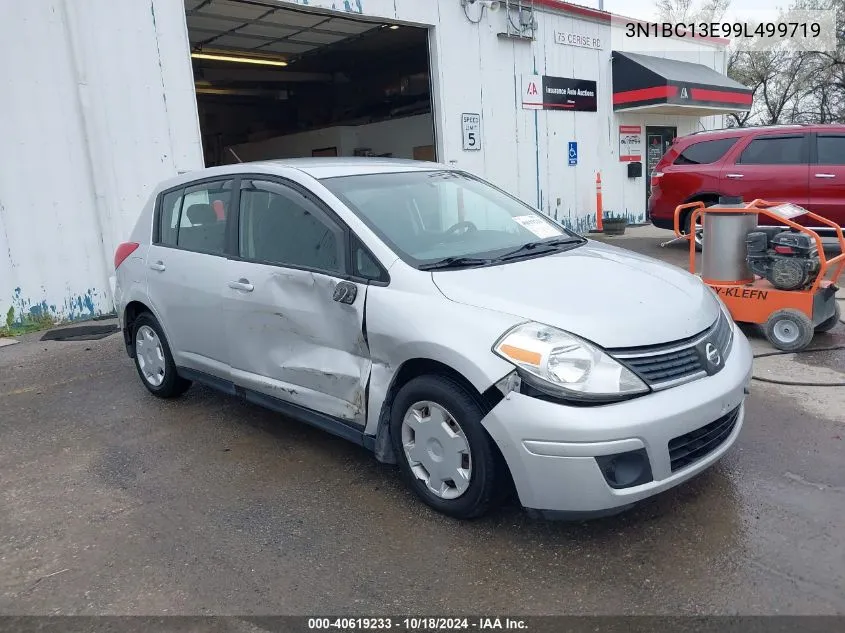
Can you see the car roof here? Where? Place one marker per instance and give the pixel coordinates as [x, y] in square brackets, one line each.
[731, 132]
[335, 167]
[318, 168]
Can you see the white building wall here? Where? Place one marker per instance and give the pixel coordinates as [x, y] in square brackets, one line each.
[526, 151]
[96, 107]
[630, 197]
[102, 108]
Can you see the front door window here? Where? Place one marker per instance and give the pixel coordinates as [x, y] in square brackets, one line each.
[280, 226]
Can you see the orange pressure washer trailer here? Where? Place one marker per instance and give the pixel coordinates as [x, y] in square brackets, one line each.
[789, 317]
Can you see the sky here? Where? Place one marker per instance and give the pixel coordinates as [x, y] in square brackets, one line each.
[644, 9]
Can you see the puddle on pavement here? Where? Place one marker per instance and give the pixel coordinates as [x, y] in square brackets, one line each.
[834, 360]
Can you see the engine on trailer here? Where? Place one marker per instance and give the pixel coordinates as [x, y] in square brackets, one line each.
[789, 260]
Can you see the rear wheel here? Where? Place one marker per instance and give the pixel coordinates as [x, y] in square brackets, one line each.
[153, 359]
[445, 455]
[699, 233]
[832, 322]
[789, 330]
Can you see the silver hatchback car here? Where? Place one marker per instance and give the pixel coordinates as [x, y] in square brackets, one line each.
[428, 316]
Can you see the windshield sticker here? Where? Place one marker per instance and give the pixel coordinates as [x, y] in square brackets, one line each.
[538, 226]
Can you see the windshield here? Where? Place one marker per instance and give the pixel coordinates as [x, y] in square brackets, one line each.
[435, 216]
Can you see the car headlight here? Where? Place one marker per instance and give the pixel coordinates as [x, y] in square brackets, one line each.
[729, 325]
[729, 320]
[562, 365]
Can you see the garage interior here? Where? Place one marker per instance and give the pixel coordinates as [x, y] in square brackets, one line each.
[285, 82]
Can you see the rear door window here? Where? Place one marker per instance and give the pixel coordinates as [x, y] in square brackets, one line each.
[705, 152]
[831, 150]
[776, 150]
[194, 218]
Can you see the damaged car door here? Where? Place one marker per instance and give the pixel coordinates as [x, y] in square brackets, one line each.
[294, 320]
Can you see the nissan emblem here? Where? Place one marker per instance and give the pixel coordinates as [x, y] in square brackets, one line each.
[712, 354]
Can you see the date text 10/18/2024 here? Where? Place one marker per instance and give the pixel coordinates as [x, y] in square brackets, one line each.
[417, 624]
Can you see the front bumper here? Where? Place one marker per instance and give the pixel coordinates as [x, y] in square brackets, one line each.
[663, 223]
[551, 448]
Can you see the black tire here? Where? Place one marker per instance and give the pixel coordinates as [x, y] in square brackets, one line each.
[789, 330]
[832, 322]
[486, 483]
[172, 384]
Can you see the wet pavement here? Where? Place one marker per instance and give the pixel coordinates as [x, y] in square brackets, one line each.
[834, 360]
[115, 502]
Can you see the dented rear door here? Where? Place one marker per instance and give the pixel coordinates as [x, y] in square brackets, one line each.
[295, 326]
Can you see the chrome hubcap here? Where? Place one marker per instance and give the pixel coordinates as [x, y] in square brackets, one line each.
[150, 355]
[437, 449]
[786, 331]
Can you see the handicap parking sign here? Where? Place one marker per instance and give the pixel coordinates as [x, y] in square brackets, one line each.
[573, 153]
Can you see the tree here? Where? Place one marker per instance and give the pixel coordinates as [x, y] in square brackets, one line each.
[689, 11]
[778, 78]
[823, 100]
[792, 84]
[789, 84]
[741, 69]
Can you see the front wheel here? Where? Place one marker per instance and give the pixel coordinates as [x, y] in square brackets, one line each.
[445, 455]
[789, 330]
[153, 359]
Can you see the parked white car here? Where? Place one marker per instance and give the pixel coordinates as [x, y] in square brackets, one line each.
[439, 322]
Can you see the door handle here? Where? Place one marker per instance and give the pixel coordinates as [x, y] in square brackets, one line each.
[734, 176]
[158, 266]
[825, 175]
[345, 292]
[241, 284]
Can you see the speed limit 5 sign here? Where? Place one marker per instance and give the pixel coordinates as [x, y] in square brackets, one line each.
[471, 126]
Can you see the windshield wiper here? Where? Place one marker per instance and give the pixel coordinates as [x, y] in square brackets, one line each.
[455, 262]
[546, 246]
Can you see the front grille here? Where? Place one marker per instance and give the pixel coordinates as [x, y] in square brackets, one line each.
[689, 448]
[665, 367]
[679, 361]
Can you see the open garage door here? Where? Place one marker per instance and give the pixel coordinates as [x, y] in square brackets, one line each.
[278, 81]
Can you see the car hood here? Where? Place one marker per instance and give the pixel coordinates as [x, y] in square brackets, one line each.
[605, 294]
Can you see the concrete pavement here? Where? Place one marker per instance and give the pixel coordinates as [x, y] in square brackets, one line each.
[115, 502]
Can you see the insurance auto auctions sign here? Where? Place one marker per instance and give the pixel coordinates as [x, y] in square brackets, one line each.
[558, 93]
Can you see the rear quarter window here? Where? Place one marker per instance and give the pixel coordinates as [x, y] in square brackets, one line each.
[171, 208]
[705, 152]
